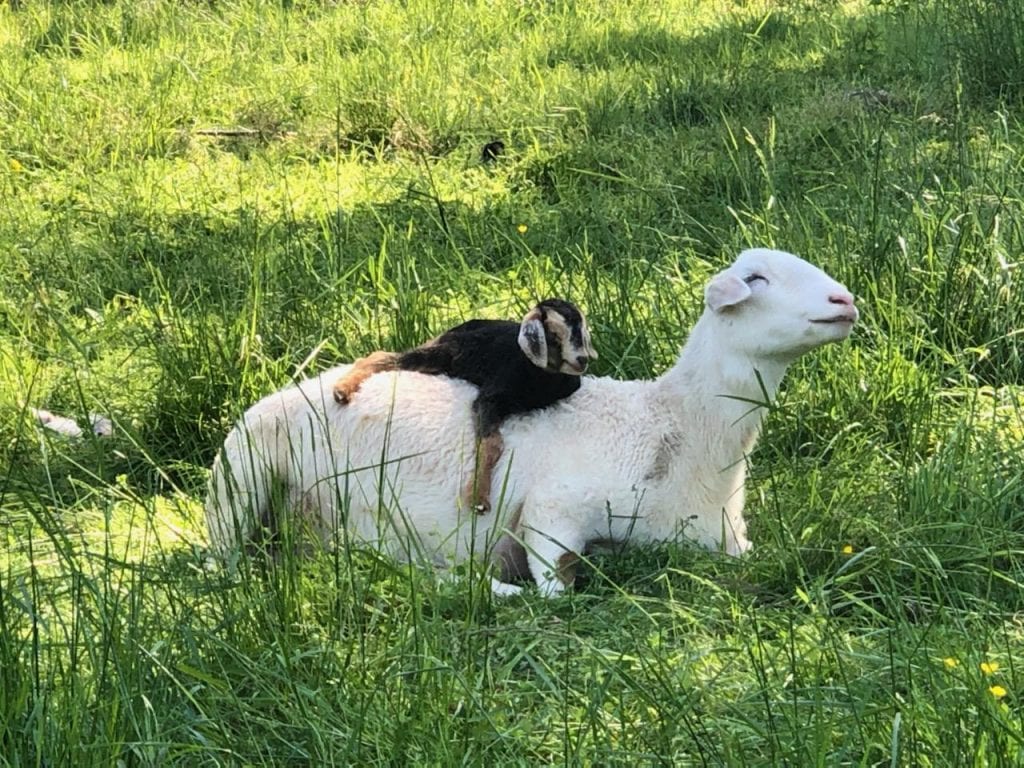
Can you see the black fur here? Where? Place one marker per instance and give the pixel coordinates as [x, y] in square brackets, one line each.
[492, 151]
[486, 353]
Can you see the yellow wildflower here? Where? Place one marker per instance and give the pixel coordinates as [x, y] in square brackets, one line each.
[951, 663]
[997, 690]
[521, 229]
[15, 166]
[848, 549]
[989, 667]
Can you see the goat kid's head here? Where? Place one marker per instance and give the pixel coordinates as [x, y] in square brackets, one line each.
[778, 306]
[554, 336]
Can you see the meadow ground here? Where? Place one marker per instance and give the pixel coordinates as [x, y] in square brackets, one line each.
[203, 201]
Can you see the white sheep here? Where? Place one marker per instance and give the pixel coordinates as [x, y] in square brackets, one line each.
[617, 461]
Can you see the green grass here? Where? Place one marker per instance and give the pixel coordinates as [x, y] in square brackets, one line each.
[156, 269]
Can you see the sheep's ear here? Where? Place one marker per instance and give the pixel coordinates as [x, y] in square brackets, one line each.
[725, 290]
[532, 339]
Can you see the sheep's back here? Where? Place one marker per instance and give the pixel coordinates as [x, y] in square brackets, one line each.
[607, 430]
[603, 434]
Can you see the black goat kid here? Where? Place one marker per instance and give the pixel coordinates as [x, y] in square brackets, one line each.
[517, 368]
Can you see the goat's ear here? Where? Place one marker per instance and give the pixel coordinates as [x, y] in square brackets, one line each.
[725, 290]
[532, 339]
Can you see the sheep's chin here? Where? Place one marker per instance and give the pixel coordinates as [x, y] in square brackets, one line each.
[834, 328]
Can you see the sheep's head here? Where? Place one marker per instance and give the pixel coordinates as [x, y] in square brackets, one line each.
[554, 336]
[779, 306]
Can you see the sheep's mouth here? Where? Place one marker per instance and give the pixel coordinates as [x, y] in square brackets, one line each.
[837, 320]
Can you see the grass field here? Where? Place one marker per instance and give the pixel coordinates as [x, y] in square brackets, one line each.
[200, 202]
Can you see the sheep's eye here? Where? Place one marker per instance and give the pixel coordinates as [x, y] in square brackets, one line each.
[753, 278]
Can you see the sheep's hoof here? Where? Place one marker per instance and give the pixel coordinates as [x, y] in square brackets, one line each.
[482, 508]
[501, 589]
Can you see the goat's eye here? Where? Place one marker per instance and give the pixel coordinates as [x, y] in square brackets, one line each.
[753, 278]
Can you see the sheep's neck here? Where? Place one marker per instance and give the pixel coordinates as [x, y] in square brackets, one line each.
[725, 390]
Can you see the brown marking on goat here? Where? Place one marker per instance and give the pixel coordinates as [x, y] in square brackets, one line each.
[565, 568]
[664, 456]
[556, 326]
[477, 493]
[560, 327]
[347, 385]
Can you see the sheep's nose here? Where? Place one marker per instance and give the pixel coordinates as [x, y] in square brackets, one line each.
[845, 298]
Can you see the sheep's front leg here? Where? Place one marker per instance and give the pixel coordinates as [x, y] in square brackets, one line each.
[508, 556]
[735, 541]
[552, 558]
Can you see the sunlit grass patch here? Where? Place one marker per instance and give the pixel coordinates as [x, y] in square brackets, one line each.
[203, 202]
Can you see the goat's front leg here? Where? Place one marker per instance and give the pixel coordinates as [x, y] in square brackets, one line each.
[487, 418]
[477, 493]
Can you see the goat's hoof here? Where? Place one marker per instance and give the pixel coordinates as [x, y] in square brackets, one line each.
[341, 397]
[482, 508]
